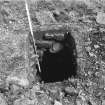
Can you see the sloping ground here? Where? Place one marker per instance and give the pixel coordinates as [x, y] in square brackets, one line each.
[19, 84]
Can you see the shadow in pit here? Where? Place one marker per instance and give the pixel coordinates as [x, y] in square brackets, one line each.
[56, 67]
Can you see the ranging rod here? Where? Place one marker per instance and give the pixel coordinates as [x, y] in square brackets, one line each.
[31, 30]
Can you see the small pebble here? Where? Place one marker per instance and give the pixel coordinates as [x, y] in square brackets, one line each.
[57, 103]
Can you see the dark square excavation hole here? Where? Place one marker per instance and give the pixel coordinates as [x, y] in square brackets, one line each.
[59, 66]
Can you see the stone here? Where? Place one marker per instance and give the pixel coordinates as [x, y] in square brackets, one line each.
[57, 103]
[100, 17]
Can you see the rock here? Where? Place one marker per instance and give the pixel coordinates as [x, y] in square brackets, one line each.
[2, 100]
[100, 17]
[20, 80]
[57, 103]
[103, 102]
